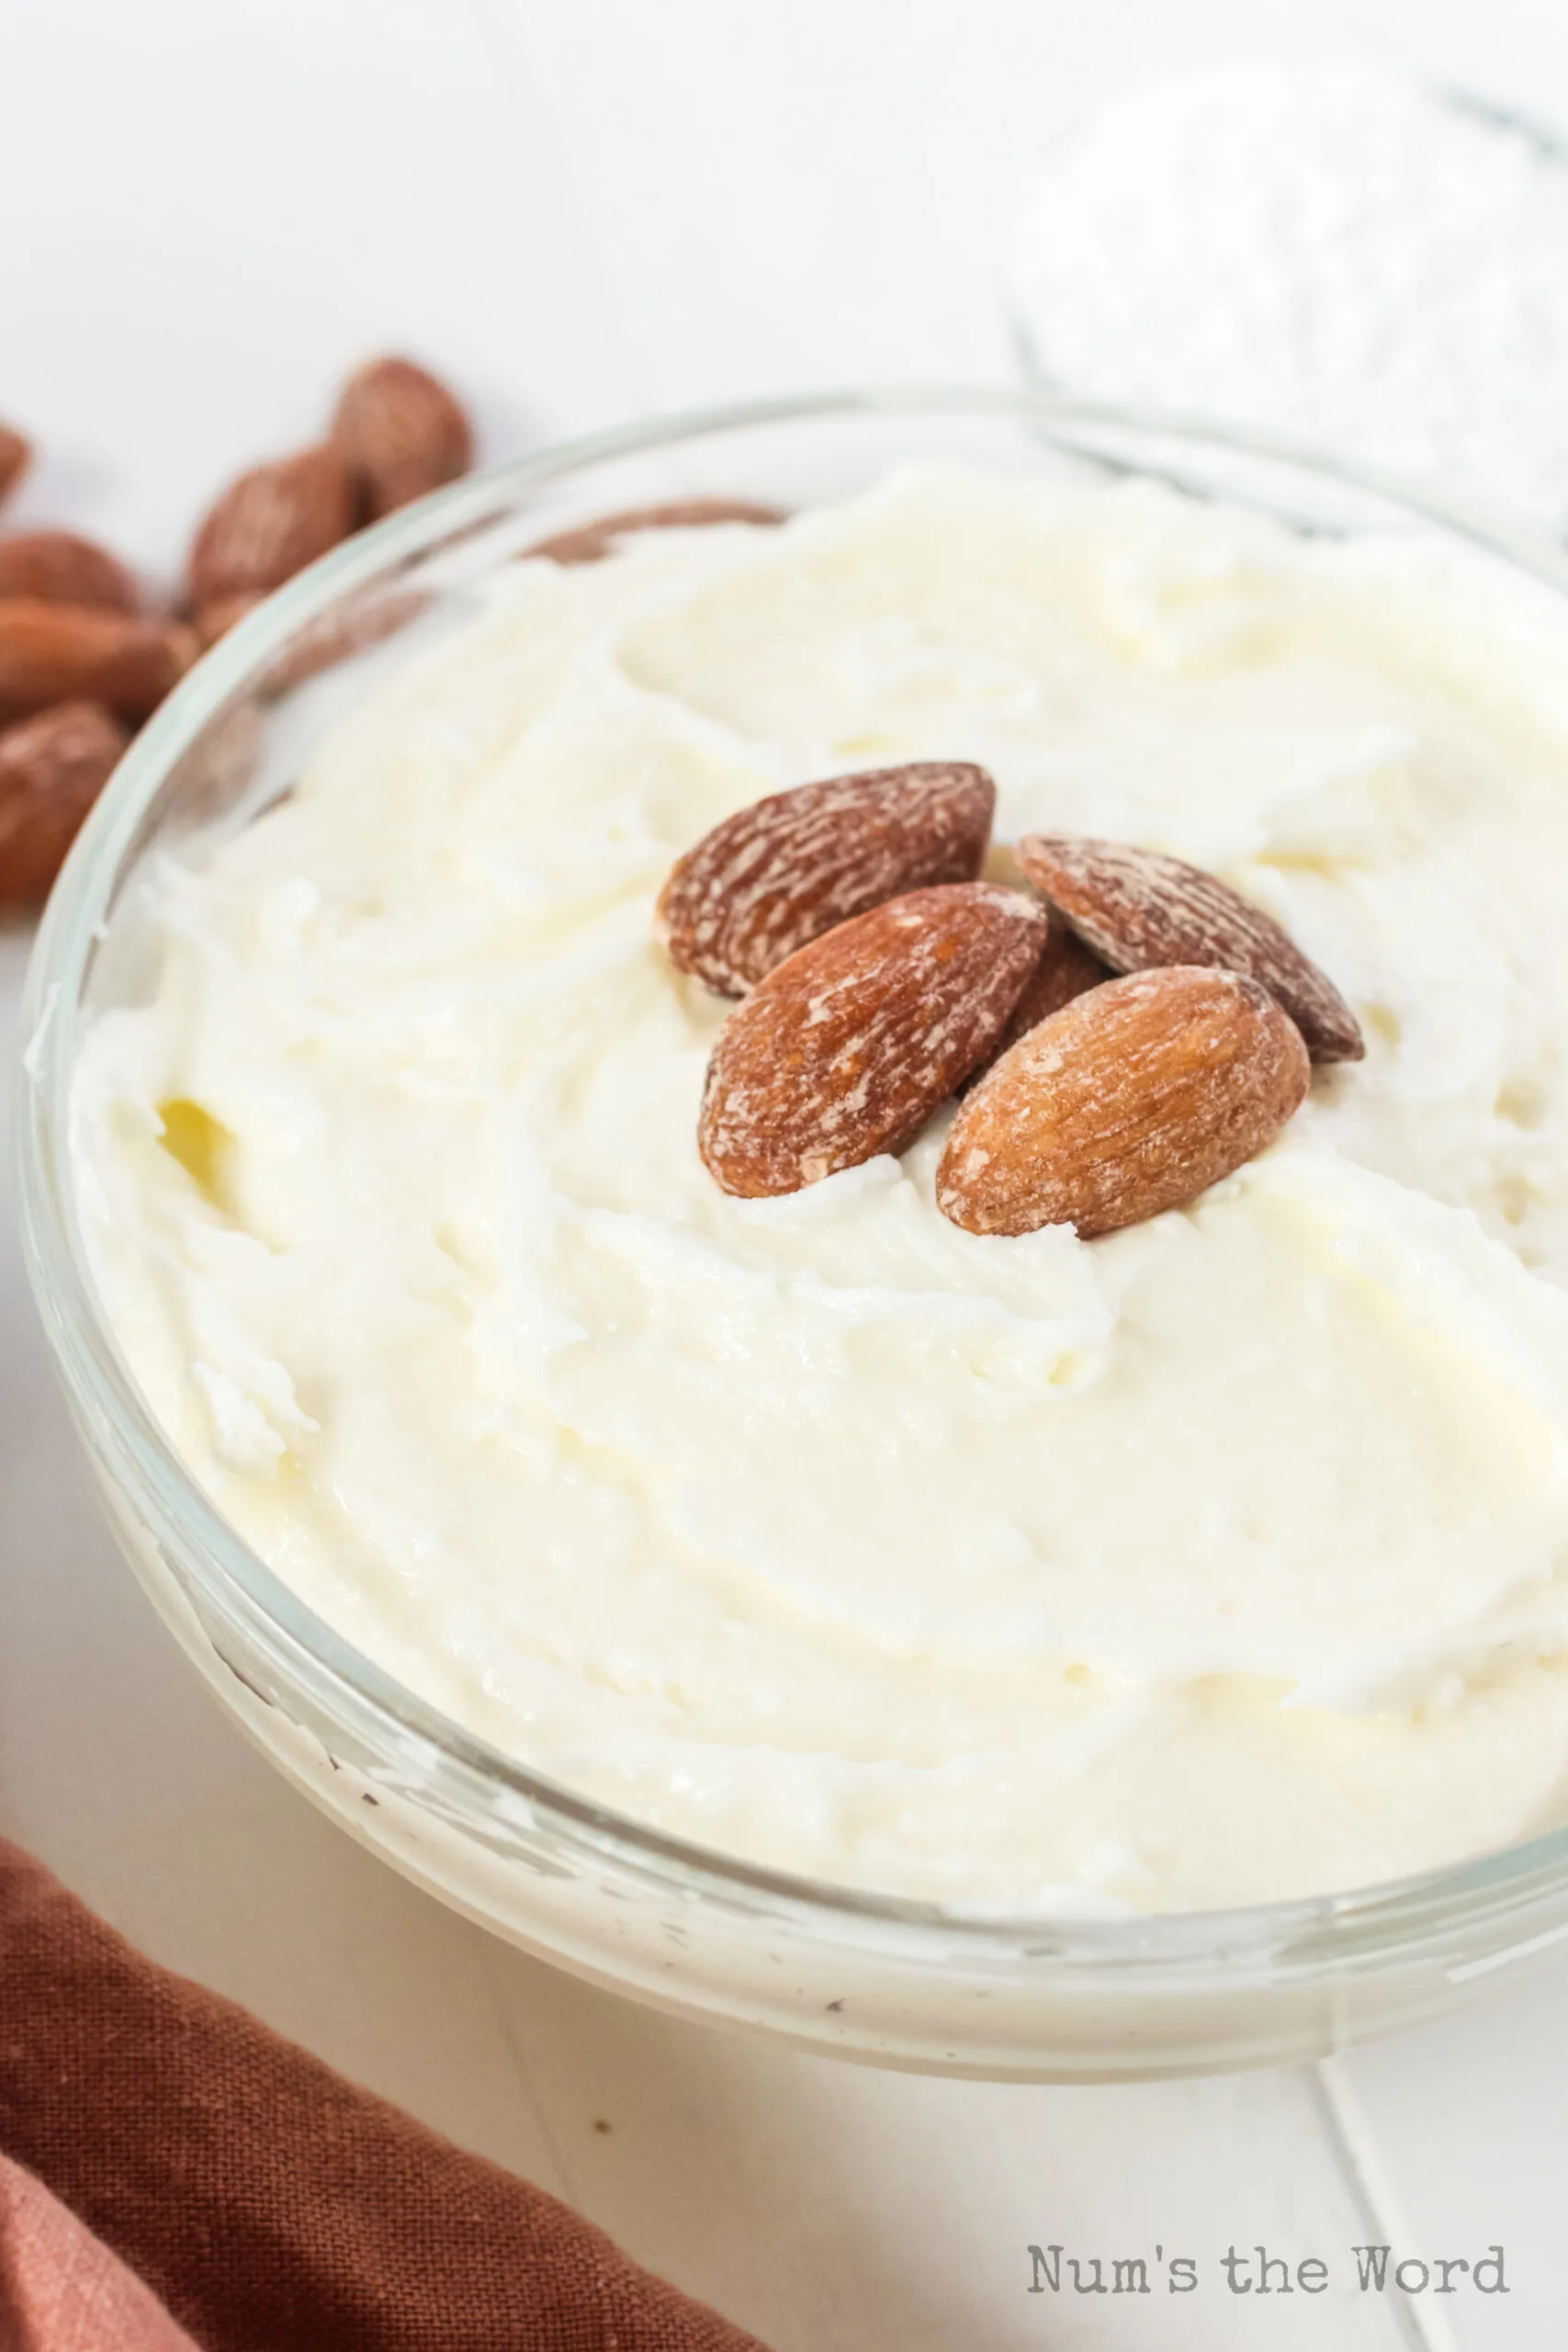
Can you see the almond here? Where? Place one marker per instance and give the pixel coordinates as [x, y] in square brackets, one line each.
[65, 570]
[1067, 967]
[271, 524]
[401, 434]
[15, 456]
[1132, 1100]
[588, 542]
[848, 1046]
[782, 871]
[1138, 907]
[52, 768]
[220, 614]
[52, 654]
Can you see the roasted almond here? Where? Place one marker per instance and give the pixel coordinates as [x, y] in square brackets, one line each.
[271, 524]
[1134, 1098]
[65, 570]
[15, 456]
[1138, 907]
[52, 654]
[588, 542]
[220, 614]
[52, 768]
[402, 433]
[848, 1046]
[780, 873]
[1067, 966]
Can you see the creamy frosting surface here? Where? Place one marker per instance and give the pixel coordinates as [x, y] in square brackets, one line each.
[1217, 1560]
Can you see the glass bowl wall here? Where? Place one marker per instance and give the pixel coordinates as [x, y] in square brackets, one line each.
[871, 1978]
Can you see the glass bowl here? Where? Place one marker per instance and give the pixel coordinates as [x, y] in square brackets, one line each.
[1369, 399]
[879, 1979]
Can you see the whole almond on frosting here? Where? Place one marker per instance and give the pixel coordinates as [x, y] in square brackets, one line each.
[52, 654]
[781, 872]
[1132, 1100]
[402, 433]
[848, 1047]
[52, 768]
[1137, 907]
[591, 542]
[270, 524]
[1067, 967]
[65, 570]
[15, 456]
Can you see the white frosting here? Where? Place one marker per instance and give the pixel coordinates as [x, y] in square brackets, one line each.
[1212, 1561]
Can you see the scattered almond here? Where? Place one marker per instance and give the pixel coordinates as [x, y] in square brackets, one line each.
[270, 524]
[70, 630]
[401, 434]
[1138, 907]
[52, 654]
[590, 542]
[52, 769]
[15, 456]
[1132, 1100]
[780, 873]
[65, 570]
[848, 1046]
[220, 614]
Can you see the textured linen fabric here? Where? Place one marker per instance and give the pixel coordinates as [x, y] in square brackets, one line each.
[268, 2204]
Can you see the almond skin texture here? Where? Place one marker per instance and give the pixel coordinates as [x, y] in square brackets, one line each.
[52, 768]
[15, 456]
[1132, 1100]
[52, 654]
[1067, 967]
[1137, 907]
[591, 542]
[848, 1047]
[271, 524]
[777, 874]
[402, 433]
[65, 570]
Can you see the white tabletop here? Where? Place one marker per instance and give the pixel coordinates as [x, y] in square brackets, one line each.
[583, 209]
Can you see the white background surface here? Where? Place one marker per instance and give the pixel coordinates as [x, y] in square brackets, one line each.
[583, 209]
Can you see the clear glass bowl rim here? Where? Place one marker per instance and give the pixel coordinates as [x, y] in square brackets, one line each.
[1370, 1924]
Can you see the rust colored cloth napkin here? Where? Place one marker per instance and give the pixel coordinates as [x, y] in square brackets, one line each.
[267, 2204]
